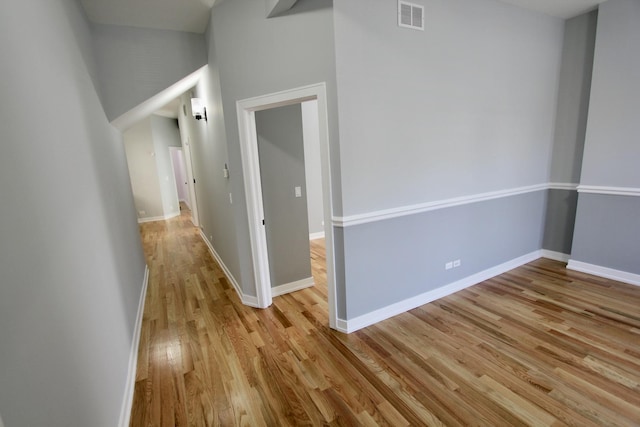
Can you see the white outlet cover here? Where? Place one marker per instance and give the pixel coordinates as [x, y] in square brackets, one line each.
[448, 266]
[298, 191]
[457, 263]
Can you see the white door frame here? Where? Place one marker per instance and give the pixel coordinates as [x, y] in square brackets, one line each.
[246, 109]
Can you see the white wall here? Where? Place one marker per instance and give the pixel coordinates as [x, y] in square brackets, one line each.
[152, 180]
[165, 134]
[177, 160]
[466, 106]
[71, 261]
[143, 170]
[312, 167]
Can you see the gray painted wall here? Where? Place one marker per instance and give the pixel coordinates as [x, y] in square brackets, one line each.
[417, 247]
[612, 149]
[560, 220]
[209, 145]
[573, 98]
[71, 262]
[466, 106]
[281, 152]
[166, 134]
[570, 129]
[135, 64]
[608, 231]
[312, 166]
[265, 56]
[608, 227]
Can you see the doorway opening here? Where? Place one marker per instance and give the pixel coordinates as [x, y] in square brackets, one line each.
[180, 174]
[246, 110]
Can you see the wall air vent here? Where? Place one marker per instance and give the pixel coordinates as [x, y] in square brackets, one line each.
[410, 15]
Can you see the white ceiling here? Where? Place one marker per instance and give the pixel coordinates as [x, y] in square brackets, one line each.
[178, 15]
[170, 110]
[560, 8]
[193, 15]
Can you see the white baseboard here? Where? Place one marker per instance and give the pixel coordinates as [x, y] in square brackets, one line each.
[292, 287]
[316, 236]
[158, 218]
[125, 413]
[607, 273]
[556, 256]
[352, 325]
[249, 300]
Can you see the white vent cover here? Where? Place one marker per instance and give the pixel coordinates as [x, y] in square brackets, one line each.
[410, 15]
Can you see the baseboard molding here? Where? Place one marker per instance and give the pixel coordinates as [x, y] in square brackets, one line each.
[249, 300]
[607, 273]
[158, 218]
[316, 236]
[384, 313]
[292, 287]
[125, 413]
[556, 256]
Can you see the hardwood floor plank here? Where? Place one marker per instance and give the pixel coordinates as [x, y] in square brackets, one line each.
[537, 346]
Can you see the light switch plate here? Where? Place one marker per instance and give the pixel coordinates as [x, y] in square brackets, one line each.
[298, 191]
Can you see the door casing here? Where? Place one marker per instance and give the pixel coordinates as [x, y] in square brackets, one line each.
[253, 188]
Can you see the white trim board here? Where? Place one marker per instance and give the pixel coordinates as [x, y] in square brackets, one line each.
[158, 218]
[614, 191]
[607, 273]
[316, 236]
[125, 413]
[368, 319]
[287, 288]
[246, 109]
[563, 186]
[352, 325]
[384, 214]
[556, 256]
[249, 300]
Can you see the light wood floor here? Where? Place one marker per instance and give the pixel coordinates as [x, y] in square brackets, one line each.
[537, 346]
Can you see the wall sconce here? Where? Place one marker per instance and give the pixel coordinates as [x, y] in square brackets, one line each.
[198, 109]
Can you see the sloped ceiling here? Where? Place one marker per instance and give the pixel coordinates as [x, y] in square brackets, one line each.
[178, 15]
[193, 15]
[560, 8]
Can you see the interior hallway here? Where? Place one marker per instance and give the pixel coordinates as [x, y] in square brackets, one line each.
[540, 345]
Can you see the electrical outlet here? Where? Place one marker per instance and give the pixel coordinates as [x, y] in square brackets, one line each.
[230, 199]
[298, 191]
[211, 238]
[457, 263]
[142, 213]
[448, 266]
